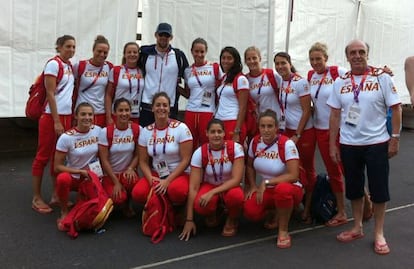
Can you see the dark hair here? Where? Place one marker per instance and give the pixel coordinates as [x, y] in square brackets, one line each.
[60, 41]
[215, 121]
[125, 47]
[287, 57]
[237, 66]
[199, 40]
[100, 39]
[83, 104]
[269, 113]
[121, 100]
[160, 94]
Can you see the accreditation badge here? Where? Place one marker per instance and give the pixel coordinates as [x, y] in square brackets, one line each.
[162, 169]
[95, 166]
[354, 114]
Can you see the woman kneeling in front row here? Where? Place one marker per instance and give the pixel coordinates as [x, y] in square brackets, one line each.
[275, 158]
[216, 172]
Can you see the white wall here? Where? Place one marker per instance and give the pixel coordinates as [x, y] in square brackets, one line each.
[29, 29]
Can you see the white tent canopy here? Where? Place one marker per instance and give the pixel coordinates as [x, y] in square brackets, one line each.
[29, 30]
[388, 26]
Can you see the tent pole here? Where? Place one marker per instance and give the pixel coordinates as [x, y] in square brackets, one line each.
[289, 20]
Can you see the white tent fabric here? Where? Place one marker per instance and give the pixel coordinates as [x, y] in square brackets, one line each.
[386, 25]
[29, 29]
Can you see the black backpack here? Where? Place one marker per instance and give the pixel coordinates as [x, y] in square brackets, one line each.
[323, 207]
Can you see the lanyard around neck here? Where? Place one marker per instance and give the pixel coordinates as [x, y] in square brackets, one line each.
[154, 138]
[356, 89]
[211, 161]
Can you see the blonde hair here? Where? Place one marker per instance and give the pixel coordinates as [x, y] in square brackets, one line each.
[321, 47]
[252, 48]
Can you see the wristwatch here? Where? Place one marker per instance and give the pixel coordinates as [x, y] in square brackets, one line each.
[237, 131]
[267, 182]
[297, 135]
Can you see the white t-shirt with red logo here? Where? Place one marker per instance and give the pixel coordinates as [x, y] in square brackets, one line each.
[201, 80]
[225, 166]
[322, 91]
[263, 93]
[81, 148]
[290, 96]
[377, 94]
[122, 148]
[268, 163]
[64, 90]
[95, 94]
[165, 146]
[130, 86]
[228, 104]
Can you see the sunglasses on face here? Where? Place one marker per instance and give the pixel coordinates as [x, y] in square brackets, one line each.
[164, 35]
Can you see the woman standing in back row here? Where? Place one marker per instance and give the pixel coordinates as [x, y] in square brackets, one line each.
[92, 78]
[296, 109]
[125, 81]
[200, 79]
[321, 80]
[56, 118]
[232, 96]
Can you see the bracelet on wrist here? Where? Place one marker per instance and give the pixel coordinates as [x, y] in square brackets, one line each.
[189, 220]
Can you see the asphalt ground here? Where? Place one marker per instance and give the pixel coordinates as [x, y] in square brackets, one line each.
[31, 240]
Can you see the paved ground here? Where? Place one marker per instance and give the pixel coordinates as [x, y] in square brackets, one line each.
[30, 240]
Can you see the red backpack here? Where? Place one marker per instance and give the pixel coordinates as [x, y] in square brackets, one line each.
[280, 146]
[229, 148]
[332, 69]
[81, 70]
[251, 115]
[272, 80]
[117, 70]
[157, 217]
[111, 128]
[88, 214]
[36, 103]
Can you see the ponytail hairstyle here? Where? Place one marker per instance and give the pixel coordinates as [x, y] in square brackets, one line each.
[60, 41]
[100, 39]
[289, 60]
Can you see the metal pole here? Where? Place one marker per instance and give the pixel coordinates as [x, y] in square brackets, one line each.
[289, 20]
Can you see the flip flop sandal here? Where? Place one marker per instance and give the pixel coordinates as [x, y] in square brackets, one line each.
[336, 222]
[42, 209]
[285, 242]
[381, 249]
[349, 236]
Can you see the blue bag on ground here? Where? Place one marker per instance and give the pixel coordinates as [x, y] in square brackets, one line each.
[323, 206]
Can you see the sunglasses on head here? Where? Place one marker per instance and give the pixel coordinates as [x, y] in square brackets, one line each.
[164, 34]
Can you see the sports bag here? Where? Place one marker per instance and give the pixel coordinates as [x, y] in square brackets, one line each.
[36, 102]
[89, 213]
[157, 217]
[323, 205]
